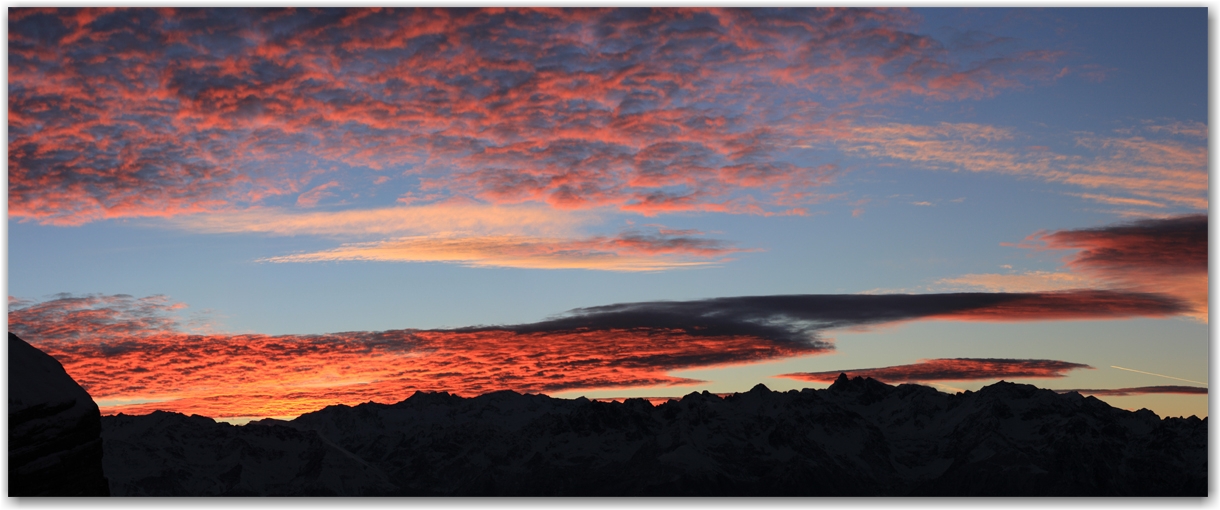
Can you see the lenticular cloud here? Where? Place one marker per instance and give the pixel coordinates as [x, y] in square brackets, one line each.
[1167, 256]
[956, 369]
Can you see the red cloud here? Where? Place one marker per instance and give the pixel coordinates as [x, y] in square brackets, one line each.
[255, 375]
[1173, 245]
[130, 356]
[1167, 256]
[959, 369]
[1143, 390]
[142, 112]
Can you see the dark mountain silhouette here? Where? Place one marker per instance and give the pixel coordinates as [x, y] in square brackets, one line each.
[859, 437]
[54, 429]
[169, 454]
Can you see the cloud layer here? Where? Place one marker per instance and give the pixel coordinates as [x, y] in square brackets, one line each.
[123, 349]
[162, 112]
[120, 354]
[955, 369]
[252, 375]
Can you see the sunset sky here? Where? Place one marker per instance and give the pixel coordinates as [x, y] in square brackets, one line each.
[252, 213]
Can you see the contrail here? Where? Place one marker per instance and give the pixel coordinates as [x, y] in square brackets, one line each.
[1158, 375]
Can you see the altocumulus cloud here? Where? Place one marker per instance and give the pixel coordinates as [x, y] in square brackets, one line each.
[259, 375]
[117, 113]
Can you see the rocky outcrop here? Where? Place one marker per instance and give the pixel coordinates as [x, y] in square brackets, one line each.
[858, 437]
[55, 444]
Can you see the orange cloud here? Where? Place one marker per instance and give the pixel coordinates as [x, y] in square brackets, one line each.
[629, 252]
[254, 375]
[465, 217]
[129, 354]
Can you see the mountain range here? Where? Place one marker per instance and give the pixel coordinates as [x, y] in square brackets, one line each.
[859, 437]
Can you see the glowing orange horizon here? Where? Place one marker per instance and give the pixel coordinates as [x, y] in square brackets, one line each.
[263, 376]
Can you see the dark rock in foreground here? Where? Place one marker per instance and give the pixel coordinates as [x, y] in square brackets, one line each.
[54, 434]
[857, 438]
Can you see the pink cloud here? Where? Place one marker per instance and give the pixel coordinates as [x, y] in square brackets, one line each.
[1153, 166]
[310, 198]
[957, 369]
[142, 112]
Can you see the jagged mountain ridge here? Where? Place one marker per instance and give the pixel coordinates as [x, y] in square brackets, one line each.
[858, 437]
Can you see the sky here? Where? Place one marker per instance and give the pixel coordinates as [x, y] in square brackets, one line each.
[256, 213]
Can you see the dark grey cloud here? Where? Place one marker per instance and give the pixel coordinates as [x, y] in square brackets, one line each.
[798, 318]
